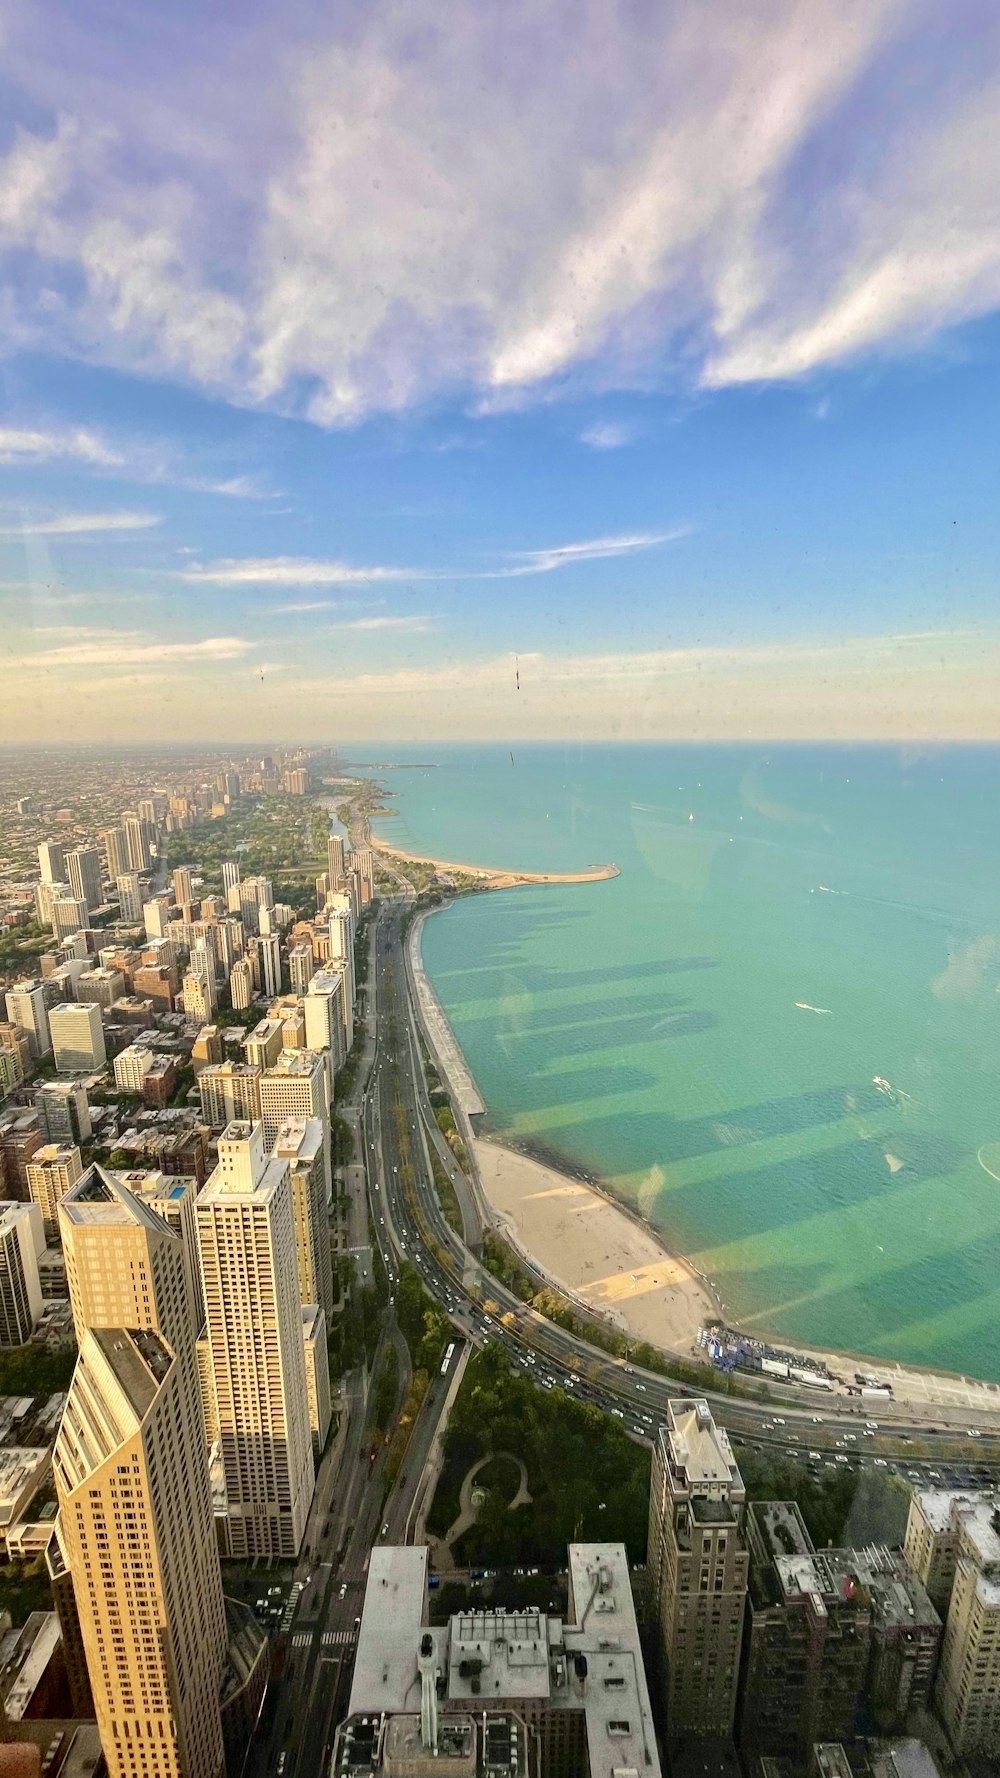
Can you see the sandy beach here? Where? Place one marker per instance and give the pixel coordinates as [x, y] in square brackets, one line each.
[491, 876]
[595, 1250]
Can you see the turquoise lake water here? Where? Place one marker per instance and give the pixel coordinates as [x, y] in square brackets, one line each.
[646, 1028]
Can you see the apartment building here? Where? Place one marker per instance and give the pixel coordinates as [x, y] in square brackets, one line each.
[246, 1240]
[22, 1242]
[77, 1034]
[51, 1171]
[135, 1513]
[699, 1568]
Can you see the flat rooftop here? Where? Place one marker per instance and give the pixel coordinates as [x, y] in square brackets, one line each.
[615, 1697]
[140, 1362]
[831, 1760]
[385, 1661]
[299, 1139]
[498, 1654]
[456, 1748]
[291, 1062]
[981, 1535]
[20, 1467]
[500, 1665]
[220, 1189]
[782, 1528]
[35, 1645]
[902, 1757]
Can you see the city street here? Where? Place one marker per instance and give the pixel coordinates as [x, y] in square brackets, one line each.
[390, 1190]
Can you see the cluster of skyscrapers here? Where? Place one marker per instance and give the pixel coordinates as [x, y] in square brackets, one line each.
[200, 1401]
[794, 1647]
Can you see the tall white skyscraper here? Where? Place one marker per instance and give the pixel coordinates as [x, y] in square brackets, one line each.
[22, 1240]
[115, 852]
[51, 1171]
[183, 891]
[246, 1241]
[340, 919]
[84, 867]
[301, 967]
[199, 995]
[25, 1004]
[240, 985]
[299, 1143]
[336, 867]
[296, 1085]
[52, 862]
[69, 915]
[131, 1473]
[230, 875]
[78, 1038]
[130, 897]
[136, 840]
[269, 957]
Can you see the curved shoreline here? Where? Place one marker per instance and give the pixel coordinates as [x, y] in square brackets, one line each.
[492, 875]
[569, 1184]
[921, 1384]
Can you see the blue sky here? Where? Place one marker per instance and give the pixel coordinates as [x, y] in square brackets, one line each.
[546, 370]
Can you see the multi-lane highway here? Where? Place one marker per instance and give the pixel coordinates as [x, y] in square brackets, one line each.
[395, 1194]
[400, 1131]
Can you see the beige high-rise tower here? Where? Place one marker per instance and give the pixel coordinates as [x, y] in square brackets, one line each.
[51, 1171]
[967, 1529]
[246, 1239]
[135, 1514]
[698, 1563]
[300, 1144]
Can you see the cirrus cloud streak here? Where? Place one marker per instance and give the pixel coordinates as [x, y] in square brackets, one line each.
[432, 199]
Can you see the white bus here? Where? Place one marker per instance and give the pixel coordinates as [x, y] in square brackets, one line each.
[448, 1356]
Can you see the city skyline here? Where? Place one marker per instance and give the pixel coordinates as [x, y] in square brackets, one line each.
[429, 398]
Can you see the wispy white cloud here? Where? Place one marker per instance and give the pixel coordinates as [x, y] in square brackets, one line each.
[144, 461]
[294, 607]
[166, 474]
[410, 209]
[606, 435]
[122, 648]
[26, 444]
[768, 664]
[598, 549]
[77, 524]
[402, 626]
[295, 571]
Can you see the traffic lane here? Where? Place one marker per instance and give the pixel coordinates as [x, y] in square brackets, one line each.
[801, 1414]
[559, 1347]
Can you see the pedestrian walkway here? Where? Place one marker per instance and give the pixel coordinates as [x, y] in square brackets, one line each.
[469, 1507]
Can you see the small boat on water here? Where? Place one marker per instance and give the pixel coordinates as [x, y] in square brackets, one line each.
[804, 1006]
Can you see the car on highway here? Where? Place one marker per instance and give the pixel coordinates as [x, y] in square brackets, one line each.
[343, 1590]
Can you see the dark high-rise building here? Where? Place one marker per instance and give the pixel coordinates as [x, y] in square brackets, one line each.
[698, 1564]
